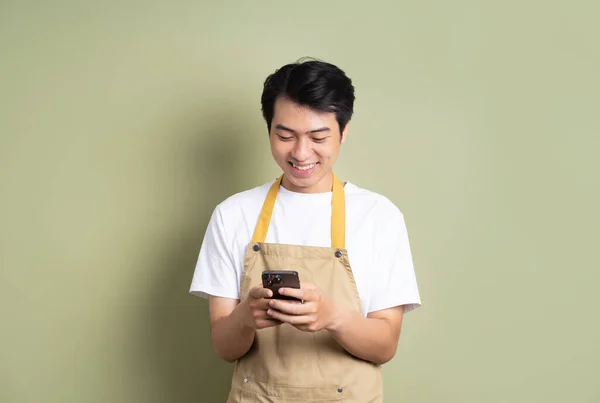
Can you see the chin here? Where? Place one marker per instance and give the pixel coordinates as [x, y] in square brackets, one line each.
[304, 183]
[300, 181]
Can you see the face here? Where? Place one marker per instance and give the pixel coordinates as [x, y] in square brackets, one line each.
[305, 144]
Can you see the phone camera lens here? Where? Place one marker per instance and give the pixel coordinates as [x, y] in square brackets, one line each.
[277, 279]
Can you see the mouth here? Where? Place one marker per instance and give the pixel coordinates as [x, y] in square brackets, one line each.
[303, 169]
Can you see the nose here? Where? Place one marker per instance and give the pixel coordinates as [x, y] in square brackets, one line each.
[302, 149]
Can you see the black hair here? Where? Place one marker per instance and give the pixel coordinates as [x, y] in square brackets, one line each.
[312, 83]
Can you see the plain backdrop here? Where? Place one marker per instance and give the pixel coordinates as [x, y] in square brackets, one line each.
[123, 124]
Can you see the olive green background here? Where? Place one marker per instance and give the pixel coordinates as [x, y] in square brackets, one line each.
[123, 124]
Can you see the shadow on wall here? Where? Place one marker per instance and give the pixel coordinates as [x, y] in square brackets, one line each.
[177, 328]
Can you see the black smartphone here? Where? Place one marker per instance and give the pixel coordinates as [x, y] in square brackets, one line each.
[276, 279]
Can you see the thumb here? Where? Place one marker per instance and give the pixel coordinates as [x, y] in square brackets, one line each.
[260, 292]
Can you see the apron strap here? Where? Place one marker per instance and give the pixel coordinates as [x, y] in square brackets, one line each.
[338, 214]
[260, 232]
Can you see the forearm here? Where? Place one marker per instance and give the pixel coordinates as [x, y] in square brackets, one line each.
[371, 339]
[230, 338]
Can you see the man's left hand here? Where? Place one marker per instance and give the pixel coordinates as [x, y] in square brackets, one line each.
[312, 312]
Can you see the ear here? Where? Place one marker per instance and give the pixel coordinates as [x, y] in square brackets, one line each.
[345, 133]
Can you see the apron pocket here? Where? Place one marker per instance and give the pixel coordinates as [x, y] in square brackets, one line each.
[261, 392]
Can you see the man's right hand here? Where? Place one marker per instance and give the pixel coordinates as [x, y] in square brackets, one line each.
[234, 323]
[255, 307]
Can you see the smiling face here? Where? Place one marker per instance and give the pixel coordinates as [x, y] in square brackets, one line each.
[305, 144]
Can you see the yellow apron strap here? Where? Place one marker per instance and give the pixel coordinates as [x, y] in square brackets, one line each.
[260, 232]
[338, 214]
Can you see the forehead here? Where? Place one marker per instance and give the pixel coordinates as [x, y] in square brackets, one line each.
[301, 118]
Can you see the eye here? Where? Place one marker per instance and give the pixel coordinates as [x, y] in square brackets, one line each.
[284, 138]
[319, 140]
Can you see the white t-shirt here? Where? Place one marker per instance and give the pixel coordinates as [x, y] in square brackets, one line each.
[376, 241]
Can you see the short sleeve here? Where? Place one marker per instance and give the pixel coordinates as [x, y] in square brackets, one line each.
[395, 283]
[215, 273]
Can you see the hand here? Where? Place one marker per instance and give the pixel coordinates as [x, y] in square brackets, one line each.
[312, 312]
[255, 308]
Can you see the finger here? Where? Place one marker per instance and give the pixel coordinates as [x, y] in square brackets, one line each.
[264, 323]
[291, 307]
[255, 292]
[302, 294]
[308, 286]
[291, 319]
[262, 304]
[304, 328]
[261, 314]
[260, 292]
[293, 292]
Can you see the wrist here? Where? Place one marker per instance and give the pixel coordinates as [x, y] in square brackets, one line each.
[340, 316]
[243, 317]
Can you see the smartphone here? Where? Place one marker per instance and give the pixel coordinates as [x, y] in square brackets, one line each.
[276, 279]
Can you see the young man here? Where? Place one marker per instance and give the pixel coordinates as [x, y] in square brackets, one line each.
[349, 246]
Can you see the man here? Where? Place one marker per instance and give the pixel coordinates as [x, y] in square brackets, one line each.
[349, 246]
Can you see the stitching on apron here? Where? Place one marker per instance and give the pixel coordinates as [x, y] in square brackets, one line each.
[346, 264]
[320, 393]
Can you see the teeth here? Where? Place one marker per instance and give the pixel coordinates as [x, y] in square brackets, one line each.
[305, 167]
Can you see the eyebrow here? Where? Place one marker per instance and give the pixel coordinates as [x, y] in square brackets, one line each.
[287, 129]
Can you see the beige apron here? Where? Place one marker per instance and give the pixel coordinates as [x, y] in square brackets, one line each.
[285, 364]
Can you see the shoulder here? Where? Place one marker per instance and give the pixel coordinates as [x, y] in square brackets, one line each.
[255, 194]
[242, 204]
[372, 203]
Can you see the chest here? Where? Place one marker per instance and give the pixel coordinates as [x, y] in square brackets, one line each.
[312, 227]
